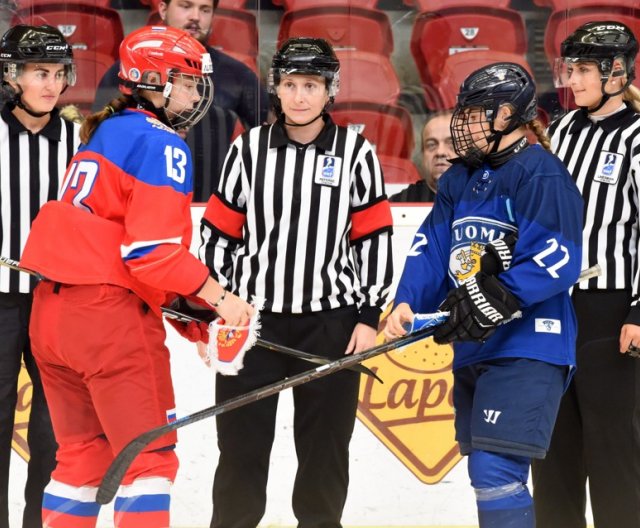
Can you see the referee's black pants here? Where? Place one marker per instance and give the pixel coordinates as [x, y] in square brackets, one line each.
[324, 417]
[15, 310]
[597, 433]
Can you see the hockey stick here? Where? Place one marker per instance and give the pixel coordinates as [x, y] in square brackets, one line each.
[185, 318]
[116, 471]
[123, 460]
[185, 312]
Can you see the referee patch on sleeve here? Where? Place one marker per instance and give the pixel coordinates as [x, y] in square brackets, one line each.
[608, 169]
[548, 326]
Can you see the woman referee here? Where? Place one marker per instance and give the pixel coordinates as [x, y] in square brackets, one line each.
[301, 219]
[597, 433]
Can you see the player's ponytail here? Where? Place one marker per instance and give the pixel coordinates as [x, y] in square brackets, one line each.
[537, 128]
[91, 122]
[632, 96]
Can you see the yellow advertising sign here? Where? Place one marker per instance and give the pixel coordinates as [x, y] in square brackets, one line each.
[412, 412]
[23, 408]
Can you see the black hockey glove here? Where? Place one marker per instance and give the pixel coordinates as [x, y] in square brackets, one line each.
[497, 255]
[475, 309]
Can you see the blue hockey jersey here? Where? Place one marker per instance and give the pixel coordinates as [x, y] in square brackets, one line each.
[533, 196]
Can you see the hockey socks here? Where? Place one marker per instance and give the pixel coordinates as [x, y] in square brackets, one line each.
[143, 504]
[65, 506]
[499, 481]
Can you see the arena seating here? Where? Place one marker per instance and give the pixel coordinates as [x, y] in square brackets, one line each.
[389, 128]
[344, 26]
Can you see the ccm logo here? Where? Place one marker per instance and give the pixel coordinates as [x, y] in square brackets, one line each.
[57, 48]
[600, 28]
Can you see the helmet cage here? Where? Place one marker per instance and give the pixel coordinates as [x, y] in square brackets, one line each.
[485, 91]
[472, 147]
[189, 115]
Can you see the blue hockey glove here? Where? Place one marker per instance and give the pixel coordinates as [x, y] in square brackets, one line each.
[498, 254]
[475, 309]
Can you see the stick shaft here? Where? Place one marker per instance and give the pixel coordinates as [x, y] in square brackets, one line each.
[123, 460]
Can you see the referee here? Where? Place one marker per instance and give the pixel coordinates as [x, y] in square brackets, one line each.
[300, 219]
[36, 145]
[597, 433]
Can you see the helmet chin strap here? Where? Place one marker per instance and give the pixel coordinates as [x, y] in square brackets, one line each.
[15, 97]
[284, 120]
[606, 96]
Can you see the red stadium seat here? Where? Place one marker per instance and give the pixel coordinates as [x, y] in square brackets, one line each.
[398, 173]
[367, 77]
[290, 5]
[458, 67]
[90, 67]
[247, 60]
[86, 27]
[563, 23]
[25, 4]
[576, 4]
[437, 5]
[389, 128]
[438, 34]
[235, 30]
[344, 26]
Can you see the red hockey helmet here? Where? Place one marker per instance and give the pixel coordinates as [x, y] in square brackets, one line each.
[168, 53]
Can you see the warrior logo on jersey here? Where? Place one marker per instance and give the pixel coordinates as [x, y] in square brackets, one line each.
[469, 237]
[608, 169]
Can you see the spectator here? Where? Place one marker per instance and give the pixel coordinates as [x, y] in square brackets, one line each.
[37, 144]
[239, 101]
[113, 247]
[503, 250]
[597, 434]
[311, 235]
[437, 150]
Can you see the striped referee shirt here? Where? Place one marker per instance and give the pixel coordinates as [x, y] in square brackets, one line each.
[306, 227]
[604, 160]
[31, 169]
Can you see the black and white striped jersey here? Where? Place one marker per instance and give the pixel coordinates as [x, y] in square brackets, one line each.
[32, 167]
[604, 160]
[306, 227]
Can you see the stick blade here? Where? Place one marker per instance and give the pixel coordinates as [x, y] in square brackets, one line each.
[114, 475]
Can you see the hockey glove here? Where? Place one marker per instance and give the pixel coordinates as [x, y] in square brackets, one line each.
[497, 255]
[192, 331]
[475, 309]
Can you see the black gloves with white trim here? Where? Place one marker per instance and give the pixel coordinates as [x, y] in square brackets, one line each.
[482, 302]
[475, 309]
[498, 255]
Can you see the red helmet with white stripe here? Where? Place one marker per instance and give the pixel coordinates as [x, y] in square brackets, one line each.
[153, 57]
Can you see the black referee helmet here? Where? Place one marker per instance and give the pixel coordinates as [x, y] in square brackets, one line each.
[22, 44]
[304, 56]
[602, 43]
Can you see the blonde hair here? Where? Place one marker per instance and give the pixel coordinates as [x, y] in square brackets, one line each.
[537, 128]
[91, 122]
[72, 113]
[632, 96]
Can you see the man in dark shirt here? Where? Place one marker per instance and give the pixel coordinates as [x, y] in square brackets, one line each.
[239, 101]
[437, 149]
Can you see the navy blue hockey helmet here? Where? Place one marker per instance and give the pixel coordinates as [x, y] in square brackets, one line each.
[486, 90]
